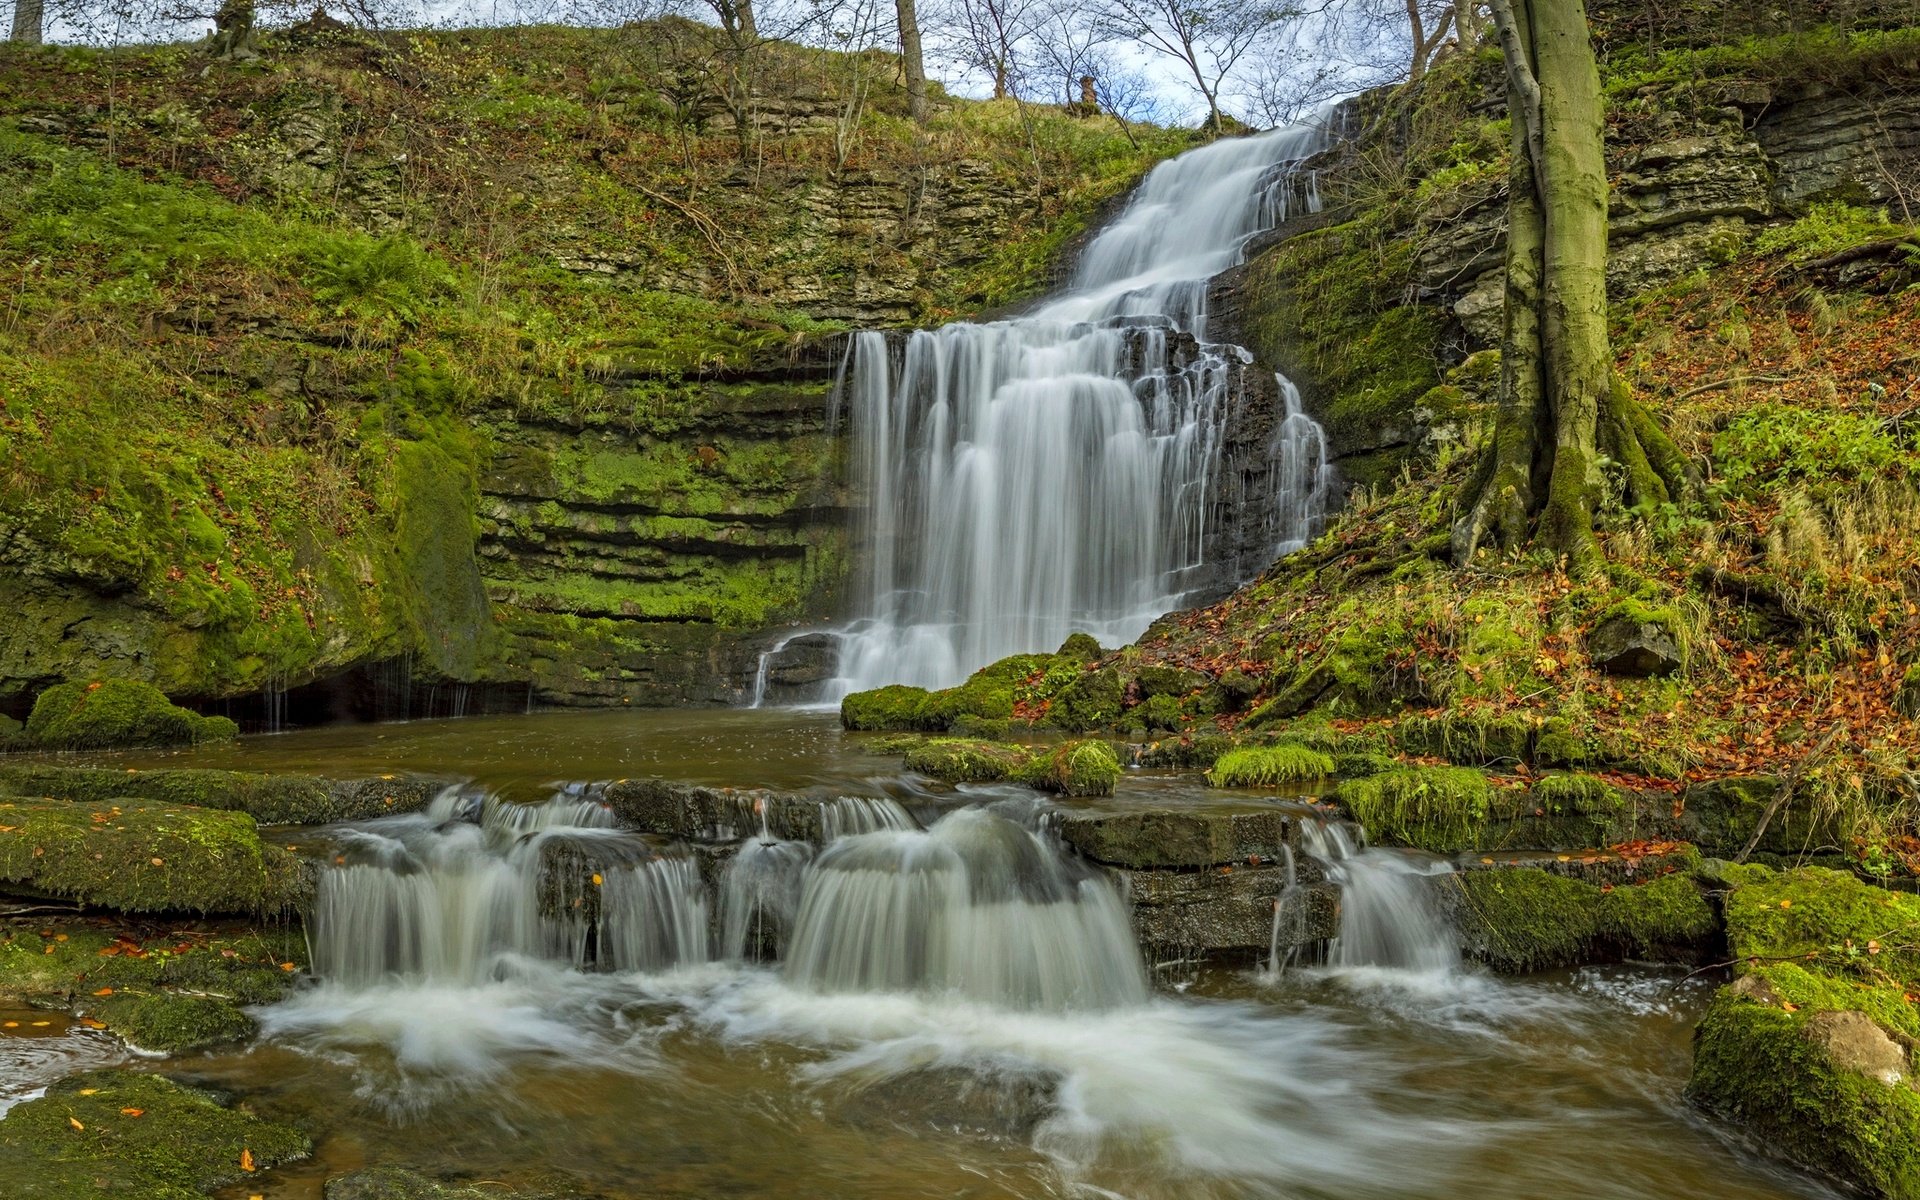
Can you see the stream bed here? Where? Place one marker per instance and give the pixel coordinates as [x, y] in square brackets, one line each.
[932, 1042]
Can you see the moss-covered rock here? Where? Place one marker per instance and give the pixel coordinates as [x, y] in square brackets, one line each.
[1092, 700]
[1634, 638]
[1081, 648]
[268, 799]
[1528, 919]
[124, 1133]
[1803, 1059]
[1084, 768]
[892, 708]
[1824, 915]
[117, 712]
[960, 760]
[1721, 815]
[166, 1022]
[1270, 766]
[1186, 753]
[1467, 736]
[1431, 808]
[142, 856]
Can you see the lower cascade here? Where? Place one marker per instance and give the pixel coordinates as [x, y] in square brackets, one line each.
[1391, 914]
[977, 906]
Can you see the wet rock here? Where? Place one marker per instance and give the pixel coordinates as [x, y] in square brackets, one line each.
[959, 760]
[1226, 914]
[1636, 644]
[169, 1023]
[125, 1133]
[1077, 769]
[1178, 839]
[1008, 1105]
[111, 713]
[800, 667]
[712, 814]
[144, 856]
[268, 799]
[1855, 1042]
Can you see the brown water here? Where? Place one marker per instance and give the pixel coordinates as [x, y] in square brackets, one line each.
[724, 1080]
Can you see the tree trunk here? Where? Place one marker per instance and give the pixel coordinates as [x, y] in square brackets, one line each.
[1419, 31]
[1562, 411]
[29, 21]
[911, 60]
[749, 29]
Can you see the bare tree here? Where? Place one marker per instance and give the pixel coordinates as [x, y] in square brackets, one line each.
[993, 36]
[1068, 46]
[1209, 38]
[1425, 42]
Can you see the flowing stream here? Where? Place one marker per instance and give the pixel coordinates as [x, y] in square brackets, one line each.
[927, 997]
[1065, 470]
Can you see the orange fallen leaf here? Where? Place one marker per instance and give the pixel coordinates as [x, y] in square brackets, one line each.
[106, 991]
[133, 1112]
[75, 1122]
[246, 1159]
[1786, 904]
[159, 862]
[287, 966]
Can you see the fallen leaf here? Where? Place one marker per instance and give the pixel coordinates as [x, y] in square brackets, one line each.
[246, 1159]
[75, 1122]
[159, 862]
[106, 991]
[133, 1112]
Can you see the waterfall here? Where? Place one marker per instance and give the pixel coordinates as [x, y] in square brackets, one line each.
[452, 894]
[1390, 911]
[977, 906]
[1058, 472]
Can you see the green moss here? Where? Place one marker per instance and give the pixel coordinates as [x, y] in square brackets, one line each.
[895, 707]
[1432, 808]
[1572, 793]
[1471, 737]
[144, 856]
[1761, 1064]
[1189, 752]
[1826, 916]
[56, 961]
[956, 760]
[1080, 647]
[1093, 700]
[1528, 919]
[1161, 712]
[168, 1023]
[1084, 768]
[268, 799]
[117, 712]
[1269, 766]
[123, 1133]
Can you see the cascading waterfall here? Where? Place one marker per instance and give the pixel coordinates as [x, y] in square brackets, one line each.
[977, 906]
[453, 893]
[1390, 911]
[1054, 473]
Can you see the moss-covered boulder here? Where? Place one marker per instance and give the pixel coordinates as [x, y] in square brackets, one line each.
[125, 1133]
[144, 856]
[896, 707]
[1818, 914]
[1084, 768]
[1432, 808]
[268, 799]
[166, 1022]
[1270, 766]
[961, 760]
[1469, 737]
[91, 961]
[1819, 1067]
[1812, 1047]
[1636, 639]
[110, 713]
[1529, 919]
[1198, 750]
[1721, 815]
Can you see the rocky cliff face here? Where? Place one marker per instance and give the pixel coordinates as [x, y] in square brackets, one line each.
[1698, 167]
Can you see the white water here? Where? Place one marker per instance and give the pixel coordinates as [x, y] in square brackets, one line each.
[1057, 472]
[1391, 917]
[978, 907]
